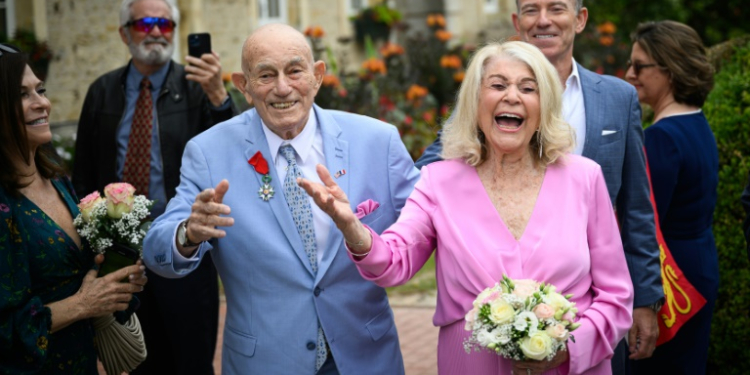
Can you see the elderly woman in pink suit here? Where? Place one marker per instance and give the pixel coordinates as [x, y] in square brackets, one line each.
[508, 199]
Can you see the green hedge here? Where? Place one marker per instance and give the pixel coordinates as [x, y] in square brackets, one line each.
[728, 112]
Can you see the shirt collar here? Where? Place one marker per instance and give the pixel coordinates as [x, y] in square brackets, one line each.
[574, 78]
[157, 79]
[303, 143]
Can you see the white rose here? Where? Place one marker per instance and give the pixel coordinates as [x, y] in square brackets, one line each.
[501, 312]
[537, 346]
[525, 288]
[557, 301]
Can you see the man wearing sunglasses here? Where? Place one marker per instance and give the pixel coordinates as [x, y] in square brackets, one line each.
[135, 123]
[606, 117]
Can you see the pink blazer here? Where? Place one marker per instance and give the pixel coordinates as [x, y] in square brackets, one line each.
[572, 241]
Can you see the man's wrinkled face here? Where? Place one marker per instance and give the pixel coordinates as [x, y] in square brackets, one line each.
[282, 81]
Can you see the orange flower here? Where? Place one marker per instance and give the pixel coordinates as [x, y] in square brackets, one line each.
[226, 77]
[606, 40]
[314, 32]
[607, 28]
[331, 80]
[435, 19]
[416, 92]
[391, 49]
[450, 61]
[443, 35]
[610, 59]
[459, 76]
[374, 65]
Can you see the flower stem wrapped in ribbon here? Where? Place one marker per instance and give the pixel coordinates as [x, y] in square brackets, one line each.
[521, 320]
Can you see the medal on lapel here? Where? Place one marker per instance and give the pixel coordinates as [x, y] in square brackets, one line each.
[261, 166]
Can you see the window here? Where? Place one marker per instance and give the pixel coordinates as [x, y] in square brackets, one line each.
[7, 18]
[271, 11]
[491, 6]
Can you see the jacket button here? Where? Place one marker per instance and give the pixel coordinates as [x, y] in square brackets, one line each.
[310, 345]
[316, 292]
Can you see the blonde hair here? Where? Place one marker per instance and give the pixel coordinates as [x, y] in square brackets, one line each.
[461, 136]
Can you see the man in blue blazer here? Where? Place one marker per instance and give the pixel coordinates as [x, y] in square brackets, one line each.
[295, 302]
[606, 117]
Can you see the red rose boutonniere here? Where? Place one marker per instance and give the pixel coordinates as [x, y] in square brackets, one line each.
[261, 166]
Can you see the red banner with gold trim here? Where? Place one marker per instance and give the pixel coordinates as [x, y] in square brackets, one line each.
[681, 299]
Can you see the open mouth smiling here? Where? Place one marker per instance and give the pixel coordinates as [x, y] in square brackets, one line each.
[283, 105]
[39, 121]
[508, 121]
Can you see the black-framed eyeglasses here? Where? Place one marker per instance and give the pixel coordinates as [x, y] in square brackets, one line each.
[4, 48]
[638, 66]
[146, 24]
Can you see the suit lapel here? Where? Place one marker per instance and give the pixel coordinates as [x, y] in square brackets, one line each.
[594, 111]
[256, 141]
[337, 161]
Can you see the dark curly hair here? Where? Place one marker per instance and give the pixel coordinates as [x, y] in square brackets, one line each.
[13, 139]
[678, 48]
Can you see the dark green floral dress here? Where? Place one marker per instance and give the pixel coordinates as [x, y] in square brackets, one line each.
[40, 264]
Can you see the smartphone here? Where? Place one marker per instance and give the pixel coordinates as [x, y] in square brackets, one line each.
[198, 44]
[117, 257]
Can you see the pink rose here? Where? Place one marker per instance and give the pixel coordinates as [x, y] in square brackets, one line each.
[524, 288]
[557, 332]
[88, 203]
[119, 199]
[569, 316]
[544, 311]
[471, 317]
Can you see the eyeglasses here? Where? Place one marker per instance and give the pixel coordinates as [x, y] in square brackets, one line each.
[637, 66]
[6, 49]
[147, 24]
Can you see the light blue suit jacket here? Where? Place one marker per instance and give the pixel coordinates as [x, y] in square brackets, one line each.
[273, 299]
[614, 139]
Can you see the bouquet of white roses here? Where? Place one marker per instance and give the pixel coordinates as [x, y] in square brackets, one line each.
[116, 223]
[521, 320]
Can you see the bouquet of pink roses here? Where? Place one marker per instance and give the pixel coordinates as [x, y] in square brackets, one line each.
[521, 320]
[114, 225]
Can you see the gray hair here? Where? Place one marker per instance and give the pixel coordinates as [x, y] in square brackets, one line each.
[579, 5]
[126, 15]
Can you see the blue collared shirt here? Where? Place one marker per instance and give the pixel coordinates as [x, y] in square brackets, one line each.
[156, 189]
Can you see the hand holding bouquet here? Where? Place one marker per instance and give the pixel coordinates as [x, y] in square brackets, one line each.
[114, 225]
[521, 320]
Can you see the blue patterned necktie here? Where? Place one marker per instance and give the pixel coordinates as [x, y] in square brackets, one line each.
[301, 210]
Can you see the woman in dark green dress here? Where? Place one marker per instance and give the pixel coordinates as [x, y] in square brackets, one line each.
[48, 290]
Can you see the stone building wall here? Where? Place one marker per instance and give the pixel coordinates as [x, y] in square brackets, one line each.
[83, 35]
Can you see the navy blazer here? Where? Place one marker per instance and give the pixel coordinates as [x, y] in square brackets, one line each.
[614, 139]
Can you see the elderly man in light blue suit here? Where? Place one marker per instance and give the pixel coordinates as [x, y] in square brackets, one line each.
[295, 302]
[606, 117]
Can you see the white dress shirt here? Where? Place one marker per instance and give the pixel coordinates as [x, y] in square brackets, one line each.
[308, 145]
[574, 111]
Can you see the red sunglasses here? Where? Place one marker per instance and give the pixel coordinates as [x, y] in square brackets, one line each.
[147, 24]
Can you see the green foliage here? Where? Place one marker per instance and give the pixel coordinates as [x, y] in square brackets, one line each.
[407, 87]
[39, 53]
[728, 112]
[715, 22]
